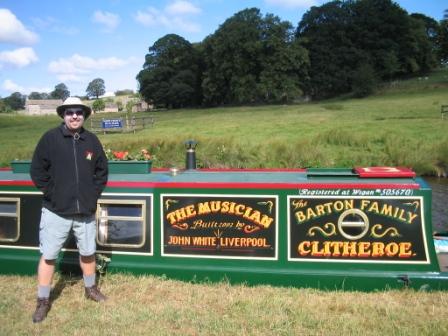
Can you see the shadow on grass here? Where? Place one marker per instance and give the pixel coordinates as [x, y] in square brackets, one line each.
[69, 273]
[69, 270]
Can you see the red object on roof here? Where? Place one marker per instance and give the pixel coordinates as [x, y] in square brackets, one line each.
[384, 172]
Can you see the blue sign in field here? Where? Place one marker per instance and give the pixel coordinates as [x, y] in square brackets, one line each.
[112, 123]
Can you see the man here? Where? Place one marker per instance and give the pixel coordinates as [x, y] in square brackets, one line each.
[70, 168]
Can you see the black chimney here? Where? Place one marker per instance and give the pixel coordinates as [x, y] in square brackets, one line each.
[190, 162]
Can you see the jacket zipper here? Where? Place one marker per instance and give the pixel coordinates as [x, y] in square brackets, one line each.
[75, 138]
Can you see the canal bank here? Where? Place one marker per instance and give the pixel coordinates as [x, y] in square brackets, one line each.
[439, 188]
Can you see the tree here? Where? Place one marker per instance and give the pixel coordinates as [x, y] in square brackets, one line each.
[98, 105]
[364, 81]
[383, 27]
[3, 107]
[425, 35]
[60, 92]
[252, 59]
[232, 55]
[35, 95]
[170, 75]
[343, 36]
[284, 62]
[125, 92]
[129, 105]
[119, 105]
[39, 95]
[15, 101]
[431, 25]
[96, 88]
[325, 32]
[442, 42]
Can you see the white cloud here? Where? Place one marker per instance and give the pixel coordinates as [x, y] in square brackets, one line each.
[72, 68]
[70, 78]
[182, 7]
[44, 23]
[19, 57]
[150, 17]
[186, 25]
[292, 3]
[174, 16]
[10, 86]
[108, 94]
[109, 20]
[13, 31]
[53, 25]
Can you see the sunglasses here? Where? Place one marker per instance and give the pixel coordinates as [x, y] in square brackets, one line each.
[72, 112]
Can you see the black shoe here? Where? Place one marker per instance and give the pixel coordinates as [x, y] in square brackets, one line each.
[93, 293]
[42, 308]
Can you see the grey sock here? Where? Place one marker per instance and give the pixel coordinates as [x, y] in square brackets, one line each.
[43, 292]
[89, 280]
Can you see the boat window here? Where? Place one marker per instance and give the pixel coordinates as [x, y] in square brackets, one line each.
[9, 219]
[121, 223]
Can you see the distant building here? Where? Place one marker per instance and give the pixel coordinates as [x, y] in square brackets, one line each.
[41, 106]
[138, 106]
[48, 106]
[141, 106]
[110, 107]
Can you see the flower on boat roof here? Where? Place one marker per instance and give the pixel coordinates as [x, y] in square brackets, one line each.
[121, 155]
[142, 155]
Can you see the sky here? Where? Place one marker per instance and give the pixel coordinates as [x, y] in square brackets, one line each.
[47, 42]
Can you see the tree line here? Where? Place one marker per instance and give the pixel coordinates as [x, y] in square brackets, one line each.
[341, 47]
[16, 101]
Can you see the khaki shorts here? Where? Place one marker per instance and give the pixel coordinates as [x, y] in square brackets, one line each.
[55, 229]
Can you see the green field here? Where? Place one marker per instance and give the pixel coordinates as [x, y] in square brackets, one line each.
[400, 126]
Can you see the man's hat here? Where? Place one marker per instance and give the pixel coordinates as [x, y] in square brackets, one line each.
[74, 102]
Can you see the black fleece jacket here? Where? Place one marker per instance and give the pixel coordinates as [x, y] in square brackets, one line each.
[71, 171]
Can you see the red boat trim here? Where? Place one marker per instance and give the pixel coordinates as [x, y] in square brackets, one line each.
[240, 185]
[16, 183]
[254, 170]
[252, 185]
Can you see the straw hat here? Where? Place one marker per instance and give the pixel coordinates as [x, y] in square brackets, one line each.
[74, 102]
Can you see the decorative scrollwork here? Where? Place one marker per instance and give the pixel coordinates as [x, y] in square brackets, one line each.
[218, 233]
[415, 204]
[168, 203]
[392, 232]
[298, 204]
[250, 228]
[183, 226]
[329, 229]
[269, 204]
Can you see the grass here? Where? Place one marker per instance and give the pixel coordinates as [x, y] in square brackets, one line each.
[400, 125]
[156, 306]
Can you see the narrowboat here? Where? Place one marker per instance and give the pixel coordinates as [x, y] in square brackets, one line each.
[362, 228]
